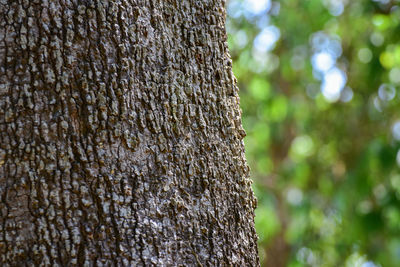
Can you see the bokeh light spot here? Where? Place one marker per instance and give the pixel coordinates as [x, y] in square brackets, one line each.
[302, 146]
[333, 83]
[294, 196]
[394, 75]
[365, 55]
[346, 95]
[266, 39]
[386, 92]
[396, 130]
[257, 6]
[377, 39]
[323, 61]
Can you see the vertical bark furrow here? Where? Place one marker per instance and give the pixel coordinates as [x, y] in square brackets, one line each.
[120, 136]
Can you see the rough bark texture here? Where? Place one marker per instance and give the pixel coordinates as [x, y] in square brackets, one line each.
[120, 136]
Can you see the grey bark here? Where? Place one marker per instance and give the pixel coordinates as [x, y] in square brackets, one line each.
[121, 136]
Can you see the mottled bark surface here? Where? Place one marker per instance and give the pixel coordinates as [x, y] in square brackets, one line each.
[120, 136]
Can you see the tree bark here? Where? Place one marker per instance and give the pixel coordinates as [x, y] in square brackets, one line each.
[121, 136]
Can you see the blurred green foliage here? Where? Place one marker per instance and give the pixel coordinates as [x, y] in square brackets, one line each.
[319, 86]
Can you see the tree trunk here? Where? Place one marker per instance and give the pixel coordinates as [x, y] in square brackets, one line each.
[120, 136]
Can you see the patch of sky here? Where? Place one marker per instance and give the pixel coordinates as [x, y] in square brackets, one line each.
[235, 9]
[323, 61]
[333, 82]
[256, 7]
[326, 50]
[249, 8]
[263, 21]
[369, 264]
[266, 39]
[321, 41]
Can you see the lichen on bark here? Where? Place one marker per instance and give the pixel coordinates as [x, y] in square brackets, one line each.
[121, 136]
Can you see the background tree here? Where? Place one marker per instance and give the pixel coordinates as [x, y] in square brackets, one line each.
[120, 136]
[319, 86]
